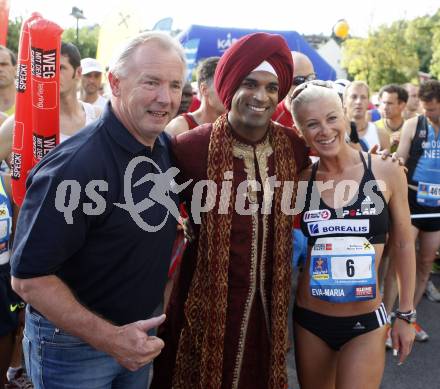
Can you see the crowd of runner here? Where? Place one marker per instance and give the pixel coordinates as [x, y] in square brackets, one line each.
[79, 291]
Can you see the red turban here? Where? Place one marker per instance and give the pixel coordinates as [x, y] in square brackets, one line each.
[245, 55]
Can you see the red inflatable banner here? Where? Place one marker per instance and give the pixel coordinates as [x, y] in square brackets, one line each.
[21, 161]
[45, 80]
[4, 16]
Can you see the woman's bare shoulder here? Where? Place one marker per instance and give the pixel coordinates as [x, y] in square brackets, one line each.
[305, 174]
[387, 171]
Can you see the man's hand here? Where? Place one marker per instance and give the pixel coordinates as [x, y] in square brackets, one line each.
[375, 150]
[402, 335]
[395, 138]
[385, 153]
[132, 347]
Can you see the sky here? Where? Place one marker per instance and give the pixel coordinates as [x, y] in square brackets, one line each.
[306, 17]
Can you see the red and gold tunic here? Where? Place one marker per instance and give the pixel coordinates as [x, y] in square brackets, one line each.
[247, 339]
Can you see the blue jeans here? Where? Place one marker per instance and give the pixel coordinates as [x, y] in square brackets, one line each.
[299, 247]
[57, 360]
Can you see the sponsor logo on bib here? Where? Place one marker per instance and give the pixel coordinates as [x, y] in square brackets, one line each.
[363, 291]
[323, 246]
[313, 229]
[320, 269]
[327, 227]
[317, 215]
[365, 211]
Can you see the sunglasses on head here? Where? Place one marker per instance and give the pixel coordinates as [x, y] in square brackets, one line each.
[298, 80]
[324, 84]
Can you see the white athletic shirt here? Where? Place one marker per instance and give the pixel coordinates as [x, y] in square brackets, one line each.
[100, 102]
[91, 115]
[371, 136]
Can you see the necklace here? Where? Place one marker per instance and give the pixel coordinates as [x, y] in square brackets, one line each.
[389, 129]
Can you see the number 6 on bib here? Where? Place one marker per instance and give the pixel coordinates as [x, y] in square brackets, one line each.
[342, 269]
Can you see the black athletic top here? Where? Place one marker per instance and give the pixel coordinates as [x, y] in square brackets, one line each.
[365, 215]
[417, 150]
[114, 264]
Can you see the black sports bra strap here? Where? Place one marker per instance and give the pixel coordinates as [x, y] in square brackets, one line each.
[314, 170]
[310, 184]
[363, 160]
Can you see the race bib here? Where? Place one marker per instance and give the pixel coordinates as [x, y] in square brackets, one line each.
[342, 269]
[5, 229]
[428, 194]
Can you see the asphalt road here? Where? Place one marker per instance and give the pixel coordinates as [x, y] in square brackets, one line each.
[422, 368]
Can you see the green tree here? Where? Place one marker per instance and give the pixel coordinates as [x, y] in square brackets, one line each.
[419, 34]
[13, 39]
[434, 67]
[88, 37]
[87, 40]
[355, 58]
[395, 53]
[435, 60]
[383, 57]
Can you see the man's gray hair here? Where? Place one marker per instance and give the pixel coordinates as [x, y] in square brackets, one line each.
[119, 63]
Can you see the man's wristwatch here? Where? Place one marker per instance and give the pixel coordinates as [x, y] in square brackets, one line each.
[409, 316]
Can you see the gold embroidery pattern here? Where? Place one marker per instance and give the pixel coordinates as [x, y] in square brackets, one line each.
[196, 365]
[263, 152]
[246, 153]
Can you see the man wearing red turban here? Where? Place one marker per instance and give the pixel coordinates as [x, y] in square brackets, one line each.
[227, 316]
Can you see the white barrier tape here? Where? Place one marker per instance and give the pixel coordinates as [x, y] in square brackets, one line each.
[426, 216]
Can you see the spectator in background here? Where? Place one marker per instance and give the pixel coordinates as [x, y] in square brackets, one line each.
[392, 103]
[373, 111]
[210, 108]
[8, 62]
[91, 82]
[12, 374]
[187, 97]
[356, 100]
[302, 71]
[15, 375]
[413, 107]
[195, 104]
[74, 113]
[419, 147]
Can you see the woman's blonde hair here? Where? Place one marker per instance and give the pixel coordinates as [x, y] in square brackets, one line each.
[308, 93]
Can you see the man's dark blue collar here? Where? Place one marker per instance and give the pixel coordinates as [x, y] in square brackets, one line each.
[123, 137]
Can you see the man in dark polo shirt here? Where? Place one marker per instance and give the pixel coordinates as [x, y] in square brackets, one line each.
[92, 247]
